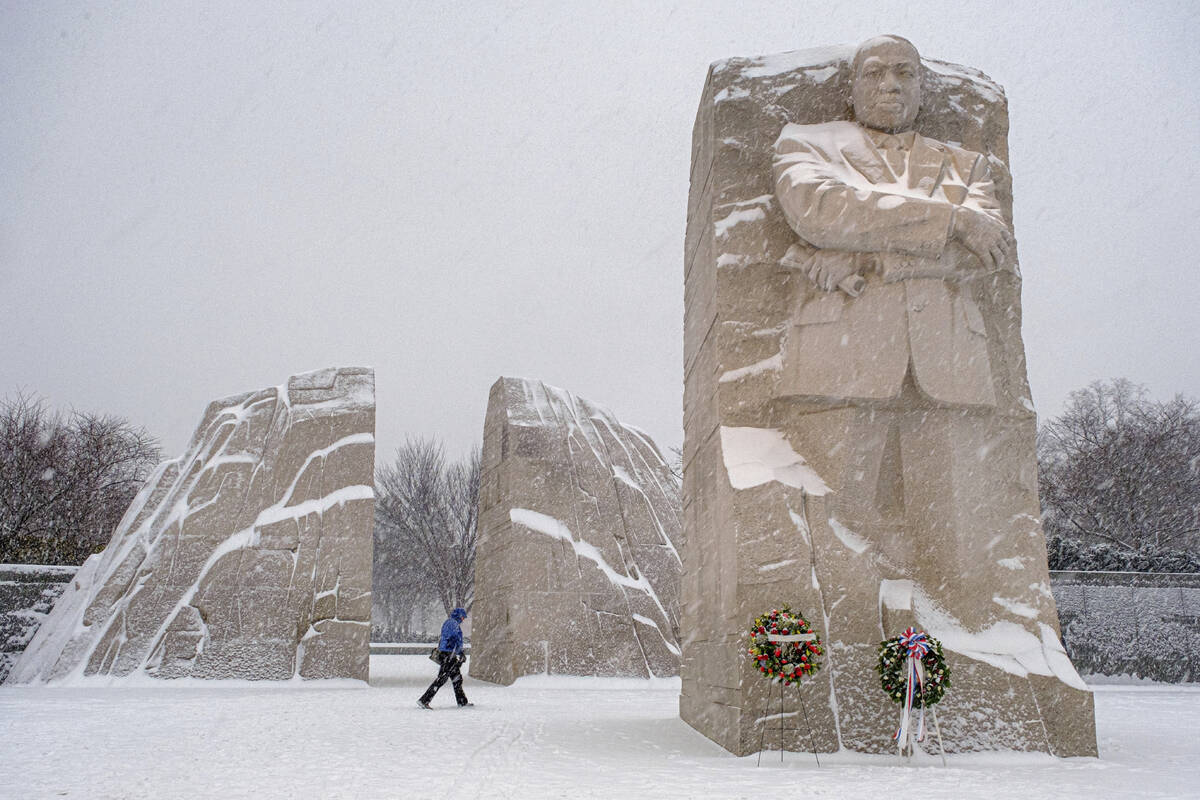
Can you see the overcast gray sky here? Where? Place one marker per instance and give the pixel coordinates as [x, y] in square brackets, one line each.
[201, 199]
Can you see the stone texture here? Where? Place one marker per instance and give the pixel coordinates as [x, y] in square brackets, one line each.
[247, 557]
[27, 593]
[868, 501]
[577, 566]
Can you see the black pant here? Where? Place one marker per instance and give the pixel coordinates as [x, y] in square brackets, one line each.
[451, 670]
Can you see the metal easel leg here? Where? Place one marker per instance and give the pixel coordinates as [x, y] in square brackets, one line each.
[938, 731]
[812, 740]
[762, 737]
[780, 722]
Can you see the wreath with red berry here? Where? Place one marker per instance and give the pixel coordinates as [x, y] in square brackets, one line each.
[893, 669]
[781, 646]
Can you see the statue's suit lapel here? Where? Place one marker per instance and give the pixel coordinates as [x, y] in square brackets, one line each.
[861, 154]
[927, 166]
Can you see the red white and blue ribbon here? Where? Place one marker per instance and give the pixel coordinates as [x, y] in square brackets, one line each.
[916, 643]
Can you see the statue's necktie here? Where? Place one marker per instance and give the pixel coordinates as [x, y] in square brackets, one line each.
[893, 151]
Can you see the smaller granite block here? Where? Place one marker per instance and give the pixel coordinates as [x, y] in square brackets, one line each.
[576, 568]
[248, 557]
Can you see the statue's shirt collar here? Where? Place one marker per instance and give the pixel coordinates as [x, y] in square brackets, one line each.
[886, 141]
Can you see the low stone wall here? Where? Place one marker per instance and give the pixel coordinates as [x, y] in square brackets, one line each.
[1140, 624]
[27, 593]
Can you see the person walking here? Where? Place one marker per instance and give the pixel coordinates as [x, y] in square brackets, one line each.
[451, 658]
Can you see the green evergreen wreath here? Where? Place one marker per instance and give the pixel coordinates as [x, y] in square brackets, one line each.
[893, 671]
[784, 661]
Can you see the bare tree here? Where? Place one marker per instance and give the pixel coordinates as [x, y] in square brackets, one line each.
[400, 591]
[425, 515]
[675, 463]
[1121, 469]
[65, 482]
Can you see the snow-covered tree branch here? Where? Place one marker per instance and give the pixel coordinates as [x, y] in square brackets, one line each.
[1121, 470]
[66, 481]
[425, 523]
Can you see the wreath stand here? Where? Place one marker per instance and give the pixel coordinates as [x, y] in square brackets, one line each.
[915, 646]
[906, 747]
[795, 637]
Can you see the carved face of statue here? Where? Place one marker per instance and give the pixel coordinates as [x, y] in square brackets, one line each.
[887, 84]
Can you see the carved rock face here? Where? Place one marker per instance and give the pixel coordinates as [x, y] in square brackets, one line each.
[865, 455]
[247, 557]
[887, 85]
[576, 568]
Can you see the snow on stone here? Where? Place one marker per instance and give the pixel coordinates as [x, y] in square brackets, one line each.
[1016, 607]
[801, 525]
[730, 93]
[552, 527]
[800, 167]
[230, 551]
[736, 217]
[896, 594]
[777, 63]
[560, 468]
[772, 364]
[754, 456]
[848, 537]
[1004, 645]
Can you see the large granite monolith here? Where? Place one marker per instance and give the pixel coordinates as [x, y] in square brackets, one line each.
[247, 557]
[577, 565]
[859, 433]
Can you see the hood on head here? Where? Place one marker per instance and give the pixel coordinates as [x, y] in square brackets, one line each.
[459, 614]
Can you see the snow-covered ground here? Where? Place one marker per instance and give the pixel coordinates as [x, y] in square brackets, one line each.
[542, 737]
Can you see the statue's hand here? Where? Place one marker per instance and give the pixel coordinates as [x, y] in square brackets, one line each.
[829, 268]
[987, 239]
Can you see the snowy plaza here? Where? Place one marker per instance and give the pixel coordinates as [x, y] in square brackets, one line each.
[540, 738]
[609, 400]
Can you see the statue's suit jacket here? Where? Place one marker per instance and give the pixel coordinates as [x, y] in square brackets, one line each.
[839, 194]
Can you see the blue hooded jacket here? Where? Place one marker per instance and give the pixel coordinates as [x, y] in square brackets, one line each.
[452, 641]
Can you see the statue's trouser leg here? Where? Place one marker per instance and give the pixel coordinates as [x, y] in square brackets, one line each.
[970, 505]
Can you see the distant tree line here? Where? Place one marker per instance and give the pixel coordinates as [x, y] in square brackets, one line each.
[1119, 477]
[65, 480]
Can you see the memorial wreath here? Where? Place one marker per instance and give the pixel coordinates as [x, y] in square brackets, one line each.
[914, 674]
[933, 676]
[784, 647]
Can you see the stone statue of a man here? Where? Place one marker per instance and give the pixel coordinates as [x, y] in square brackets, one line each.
[888, 352]
[890, 221]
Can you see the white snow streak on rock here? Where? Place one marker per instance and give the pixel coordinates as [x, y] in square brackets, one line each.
[772, 364]
[754, 456]
[653, 624]
[723, 225]
[541, 523]
[1004, 645]
[1016, 607]
[848, 537]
